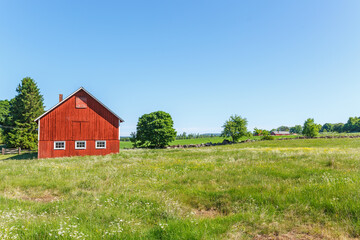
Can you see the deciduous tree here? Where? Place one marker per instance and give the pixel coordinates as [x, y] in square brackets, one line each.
[155, 129]
[235, 127]
[311, 129]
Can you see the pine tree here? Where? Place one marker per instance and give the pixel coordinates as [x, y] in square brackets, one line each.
[27, 105]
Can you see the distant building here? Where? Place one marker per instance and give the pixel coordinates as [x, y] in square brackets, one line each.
[78, 125]
[280, 133]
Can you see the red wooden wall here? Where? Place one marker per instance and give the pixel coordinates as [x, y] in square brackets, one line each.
[71, 122]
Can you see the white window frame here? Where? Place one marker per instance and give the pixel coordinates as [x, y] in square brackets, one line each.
[96, 142]
[55, 142]
[76, 147]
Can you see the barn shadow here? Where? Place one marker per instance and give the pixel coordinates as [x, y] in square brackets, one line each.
[23, 156]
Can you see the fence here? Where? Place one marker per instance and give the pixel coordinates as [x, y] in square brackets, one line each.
[10, 151]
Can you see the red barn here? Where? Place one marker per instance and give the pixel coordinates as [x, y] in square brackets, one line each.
[280, 133]
[78, 125]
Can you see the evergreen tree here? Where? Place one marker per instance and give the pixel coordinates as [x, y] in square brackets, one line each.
[4, 111]
[27, 105]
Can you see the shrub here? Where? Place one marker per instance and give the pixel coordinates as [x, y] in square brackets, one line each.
[267, 137]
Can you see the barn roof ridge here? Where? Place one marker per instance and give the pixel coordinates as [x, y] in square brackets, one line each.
[81, 88]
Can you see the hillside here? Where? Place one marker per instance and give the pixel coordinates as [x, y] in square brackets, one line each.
[293, 188]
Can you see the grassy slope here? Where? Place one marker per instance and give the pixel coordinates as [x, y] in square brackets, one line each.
[298, 187]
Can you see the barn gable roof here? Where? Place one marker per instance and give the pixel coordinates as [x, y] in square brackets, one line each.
[81, 88]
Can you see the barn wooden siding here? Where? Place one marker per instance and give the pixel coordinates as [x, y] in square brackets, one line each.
[68, 123]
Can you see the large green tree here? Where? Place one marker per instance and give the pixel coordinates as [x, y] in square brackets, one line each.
[155, 130]
[311, 129]
[27, 105]
[235, 127]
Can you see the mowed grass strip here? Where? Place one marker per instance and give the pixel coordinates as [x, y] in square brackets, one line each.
[294, 188]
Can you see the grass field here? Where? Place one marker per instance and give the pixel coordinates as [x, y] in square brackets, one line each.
[127, 145]
[291, 189]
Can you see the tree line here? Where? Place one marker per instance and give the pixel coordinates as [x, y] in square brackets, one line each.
[155, 129]
[17, 116]
[351, 126]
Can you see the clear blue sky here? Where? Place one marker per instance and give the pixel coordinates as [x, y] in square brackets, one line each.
[273, 62]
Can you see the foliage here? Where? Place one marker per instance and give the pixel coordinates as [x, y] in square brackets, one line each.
[327, 127]
[196, 135]
[260, 132]
[283, 128]
[352, 125]
[154, 130]
[25, 108]
[338, 127]
[296, 129]
[235, 127]
[311, 129]
[4, 111]
[267, 137]
[308, 187]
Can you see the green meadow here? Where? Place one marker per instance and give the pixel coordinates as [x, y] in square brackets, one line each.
[127, 145]
[290, 189]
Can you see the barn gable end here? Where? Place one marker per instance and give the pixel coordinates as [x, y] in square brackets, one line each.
[75, 125]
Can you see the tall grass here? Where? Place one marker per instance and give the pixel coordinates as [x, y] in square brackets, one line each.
[261, 189]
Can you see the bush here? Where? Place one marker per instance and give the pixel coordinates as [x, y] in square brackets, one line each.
[154, 130]
[267, 137]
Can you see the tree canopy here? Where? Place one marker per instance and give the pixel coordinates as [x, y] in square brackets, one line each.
[327, 127]
[311, 129]
[352, 125]
[296, 129]
[4, 111]
[155, 129]
[283, 128]
[27, 105]
[235, 127]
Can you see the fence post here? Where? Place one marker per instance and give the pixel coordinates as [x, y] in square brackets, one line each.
[3, 151]
[19, 150]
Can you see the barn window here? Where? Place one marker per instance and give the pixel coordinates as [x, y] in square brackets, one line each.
[81, 102]
[80, 144]
[100, 144]
[59, 145]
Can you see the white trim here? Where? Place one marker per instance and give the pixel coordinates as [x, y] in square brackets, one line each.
[81, 88]
[119, 131]
[96, 142]
[59, 142]
[39, 138]
[76, 147]
[38, 132]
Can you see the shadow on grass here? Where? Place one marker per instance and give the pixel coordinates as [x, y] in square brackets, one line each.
[23, 156]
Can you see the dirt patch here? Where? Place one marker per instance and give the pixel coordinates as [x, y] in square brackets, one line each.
[211, 213]
[44, 198]
[32, 195]
[292, 236]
